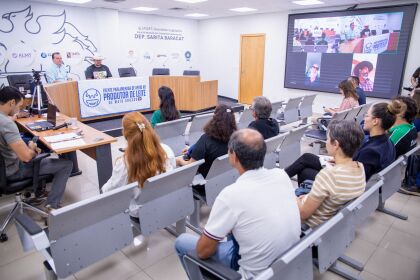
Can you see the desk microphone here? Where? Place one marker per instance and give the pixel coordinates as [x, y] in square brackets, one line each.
[61, 126]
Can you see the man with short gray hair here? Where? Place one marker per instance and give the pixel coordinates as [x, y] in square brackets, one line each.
[265, 125]
[259, 218]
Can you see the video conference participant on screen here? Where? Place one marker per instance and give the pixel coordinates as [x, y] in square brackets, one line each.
[98, 70]
[312, 77]
[57, 71]
[350, 33]
[362, 71]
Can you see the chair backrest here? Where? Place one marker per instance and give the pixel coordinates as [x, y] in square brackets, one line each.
[90, 230]
[335, 236]
[290, 148]
[275, 107]
[339, 116]
[191, 73]
[362, 112]
[363, 206]
[351, 115]
[221, 174]
[272, 154]
[167, 198]
[160, 71]
[196, 129]
[172, 133]
[245, 119]
[392, 176]
[126, 72]
[3, 180]
[291, 111]
[305, 108]
[19, 81]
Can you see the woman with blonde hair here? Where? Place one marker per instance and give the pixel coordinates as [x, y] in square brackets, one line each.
[143, 158]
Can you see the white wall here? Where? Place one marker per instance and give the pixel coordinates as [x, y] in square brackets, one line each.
[85, 31]
[219, 45]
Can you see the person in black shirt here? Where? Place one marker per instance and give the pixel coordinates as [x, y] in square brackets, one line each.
[360, 92]
[97, 70]
[214, 142]
[265, 125]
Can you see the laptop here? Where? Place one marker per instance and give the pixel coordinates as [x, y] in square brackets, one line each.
[49, 123]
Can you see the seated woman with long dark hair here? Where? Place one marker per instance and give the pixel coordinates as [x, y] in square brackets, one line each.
[143, 158]
[214, 142]
[375, 154]
[168, 110]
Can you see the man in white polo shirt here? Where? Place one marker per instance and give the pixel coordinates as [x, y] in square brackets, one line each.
[258, 213]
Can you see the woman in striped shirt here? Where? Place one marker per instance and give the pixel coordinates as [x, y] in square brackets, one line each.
[339, 182]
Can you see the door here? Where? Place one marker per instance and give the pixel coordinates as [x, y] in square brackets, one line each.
[251, 67]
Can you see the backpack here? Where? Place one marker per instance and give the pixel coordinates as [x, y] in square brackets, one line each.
[412, 173]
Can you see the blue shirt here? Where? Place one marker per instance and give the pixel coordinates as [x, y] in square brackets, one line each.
[57, 73]
[362, 96]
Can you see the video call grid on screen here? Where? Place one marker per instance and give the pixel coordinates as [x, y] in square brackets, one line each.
[327, 47]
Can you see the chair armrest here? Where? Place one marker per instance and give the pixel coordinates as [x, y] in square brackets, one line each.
[213, 267]
[29, 225]
[40, 157]
[36, 161]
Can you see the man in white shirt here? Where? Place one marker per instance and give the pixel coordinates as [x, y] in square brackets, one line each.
[57, 72]
[258, 213]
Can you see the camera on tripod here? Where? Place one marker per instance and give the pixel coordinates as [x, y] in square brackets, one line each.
[39, 104]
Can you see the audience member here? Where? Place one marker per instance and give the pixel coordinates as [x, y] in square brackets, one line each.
[310, 40]
[265, 125]
[350, 98]
[17, 155]
[338, 183]
[359, 91]
[416, 97]
[143, 158]
[375, 154]
[57, 71]
[259, 217]
[362, 70]
[168, 110]
[98, 70]
[350, 33]
[214, 142]
[322, 41]
[403, 133]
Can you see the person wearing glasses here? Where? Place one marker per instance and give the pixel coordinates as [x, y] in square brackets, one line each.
[312, 76]
[57, 72]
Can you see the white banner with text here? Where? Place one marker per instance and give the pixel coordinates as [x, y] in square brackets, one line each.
[113, 96]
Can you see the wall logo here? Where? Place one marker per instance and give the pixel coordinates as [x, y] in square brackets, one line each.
[92, 98]
[21, 55]
[44, 55]
[187, 55]
[147, 56]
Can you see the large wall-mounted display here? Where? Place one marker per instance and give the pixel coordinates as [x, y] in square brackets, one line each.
[325, 48]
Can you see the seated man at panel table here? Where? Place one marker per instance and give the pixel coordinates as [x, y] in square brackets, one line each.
[17, 155]
[265, 125]
[57, 71]
[97, 70]
[259, 218]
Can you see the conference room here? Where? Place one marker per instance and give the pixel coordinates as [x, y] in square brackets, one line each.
[208, 139]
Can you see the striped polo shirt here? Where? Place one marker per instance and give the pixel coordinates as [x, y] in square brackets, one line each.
[333, 187]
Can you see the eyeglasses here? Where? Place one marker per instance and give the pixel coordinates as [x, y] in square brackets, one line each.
[315, 67]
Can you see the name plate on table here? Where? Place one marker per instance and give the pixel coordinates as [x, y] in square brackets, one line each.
[113, 96]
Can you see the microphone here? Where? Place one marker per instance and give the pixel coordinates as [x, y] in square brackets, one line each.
[61, 126]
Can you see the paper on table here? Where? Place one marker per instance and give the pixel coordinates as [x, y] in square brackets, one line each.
[62, 137]
[67, 144]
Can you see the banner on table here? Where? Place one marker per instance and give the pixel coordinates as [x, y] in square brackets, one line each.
[376, 44]
[113, 96]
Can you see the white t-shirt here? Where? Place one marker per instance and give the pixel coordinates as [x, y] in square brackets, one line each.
[119, 177]
[261, 211]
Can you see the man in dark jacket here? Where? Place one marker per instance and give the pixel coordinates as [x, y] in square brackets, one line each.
[360, 92]
[265, 125]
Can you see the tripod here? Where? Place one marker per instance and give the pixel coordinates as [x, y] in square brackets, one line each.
[37, 104]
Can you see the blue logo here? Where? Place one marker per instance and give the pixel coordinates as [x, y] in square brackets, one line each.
[187, 55]
[44, 55]
[92, 97]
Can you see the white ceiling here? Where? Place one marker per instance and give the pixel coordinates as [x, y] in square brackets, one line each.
[214, 8]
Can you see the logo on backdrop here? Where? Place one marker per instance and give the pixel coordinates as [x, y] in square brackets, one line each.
[187, 55]
[92, 97]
